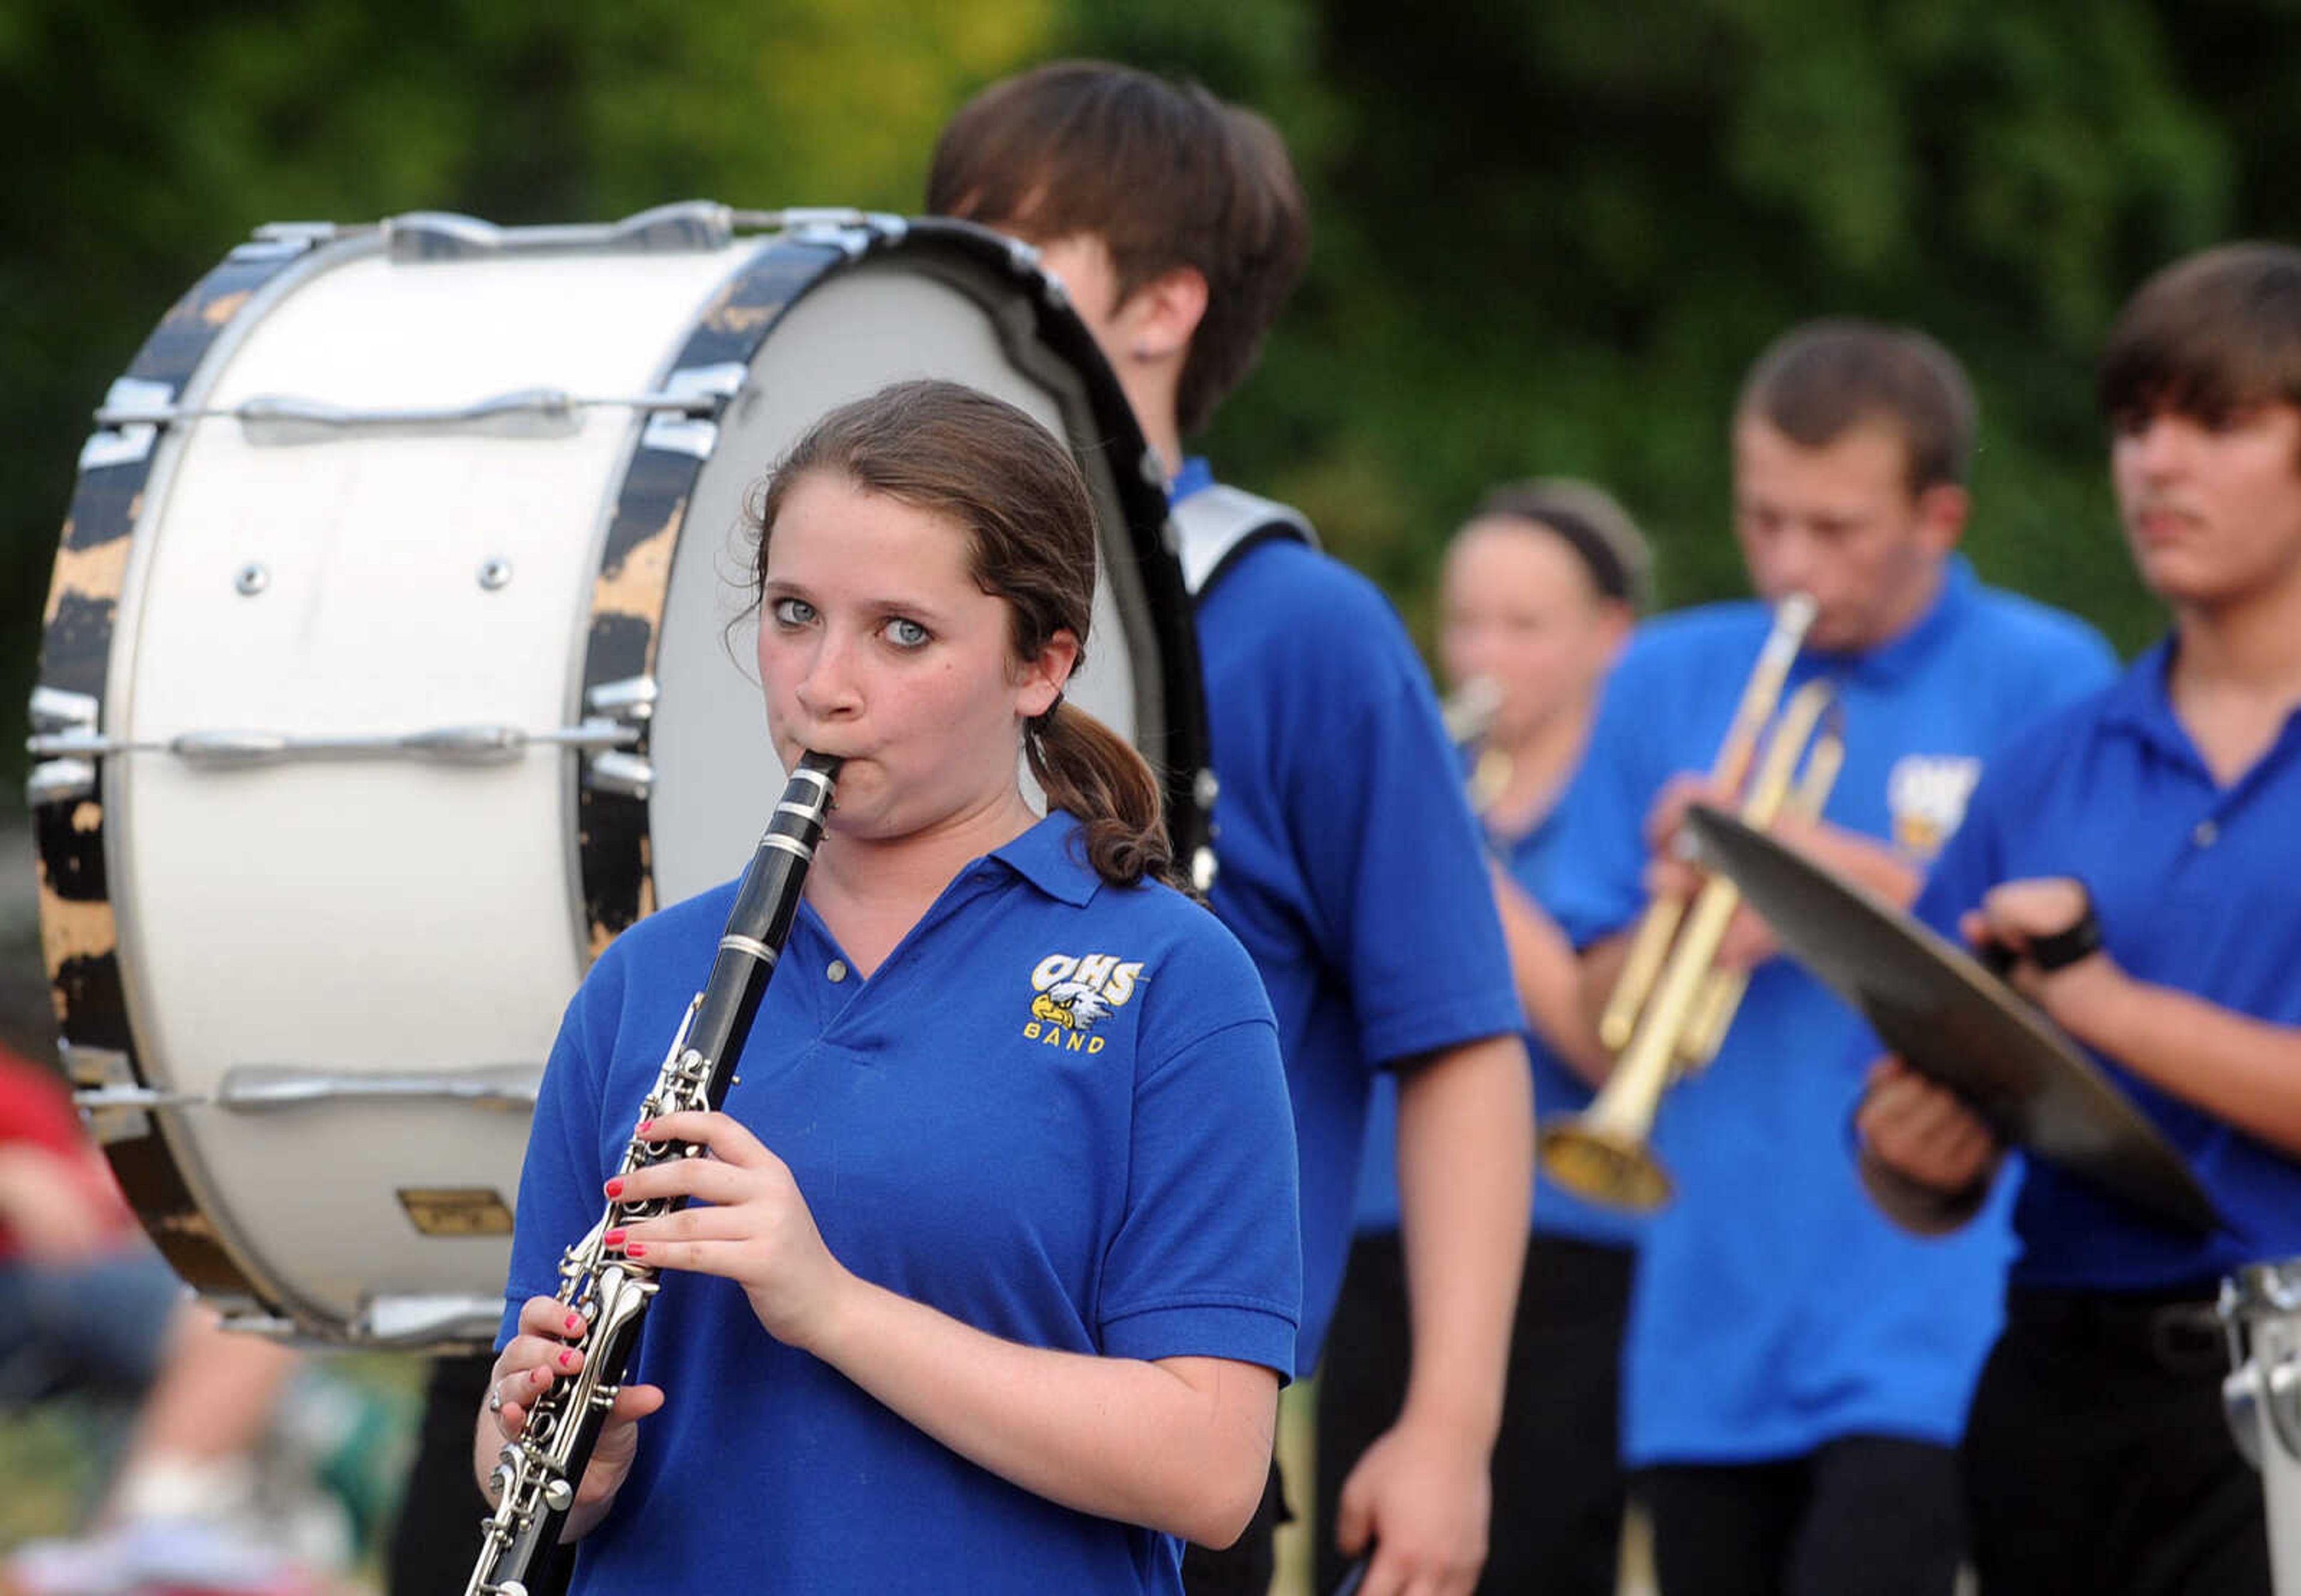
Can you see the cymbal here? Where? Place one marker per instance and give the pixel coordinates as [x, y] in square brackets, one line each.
[1952, 1020]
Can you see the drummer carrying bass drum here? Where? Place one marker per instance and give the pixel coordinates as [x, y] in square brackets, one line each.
[2138, 856]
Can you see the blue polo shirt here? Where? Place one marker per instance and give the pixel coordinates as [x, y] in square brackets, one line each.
[2194, 883]
[1557, 1090]
[1775, 1308]
[1350, 867]
[1056, 1113]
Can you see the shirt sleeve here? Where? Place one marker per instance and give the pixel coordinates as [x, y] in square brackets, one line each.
[1206, 1261]
[1396, 870]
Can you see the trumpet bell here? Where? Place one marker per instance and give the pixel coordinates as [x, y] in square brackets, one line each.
[1604, 1165]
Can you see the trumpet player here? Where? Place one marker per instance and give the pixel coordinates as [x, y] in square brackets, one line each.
[1795, 1372]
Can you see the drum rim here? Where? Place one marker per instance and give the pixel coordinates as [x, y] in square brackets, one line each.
[97, 1024]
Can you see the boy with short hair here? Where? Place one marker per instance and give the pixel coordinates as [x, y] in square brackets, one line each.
[1350, 865]
[2137, 855]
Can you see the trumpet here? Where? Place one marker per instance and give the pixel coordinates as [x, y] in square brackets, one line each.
[1671, 1008]
[1467, 715]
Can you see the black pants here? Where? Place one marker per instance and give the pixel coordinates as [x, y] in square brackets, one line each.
[2098, 1459]
[1867, 1514]
[436, 1543]
[1558, 1485]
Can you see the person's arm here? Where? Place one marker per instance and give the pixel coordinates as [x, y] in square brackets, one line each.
[49, 1204]
[2244, 1071]
[1852, 856]
[1180, 1444]
[1465, 1175]
[1549, 980]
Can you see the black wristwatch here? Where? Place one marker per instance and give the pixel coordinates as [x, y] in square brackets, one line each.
[2080, 939]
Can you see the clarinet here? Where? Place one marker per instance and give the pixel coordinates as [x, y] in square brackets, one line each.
[533, 1486]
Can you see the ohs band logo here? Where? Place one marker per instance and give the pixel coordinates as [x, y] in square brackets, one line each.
[1927, 794]
[1071, 992]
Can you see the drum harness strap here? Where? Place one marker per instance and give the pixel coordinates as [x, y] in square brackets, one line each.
[1213, 527]
[1216, 525]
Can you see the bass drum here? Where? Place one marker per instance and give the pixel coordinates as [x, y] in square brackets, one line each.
[398, 658]
[2261, 1305]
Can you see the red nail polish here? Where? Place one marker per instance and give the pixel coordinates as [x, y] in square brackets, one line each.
[637, 1250]
[614, 1238]
[615, 1187]
[574, 1321]
[567, 1358]
[646, 1126]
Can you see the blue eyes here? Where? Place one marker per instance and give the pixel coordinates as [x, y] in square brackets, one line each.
[791, 613]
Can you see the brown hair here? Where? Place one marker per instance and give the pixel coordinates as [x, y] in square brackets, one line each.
[1817, 383]
[954, 452]
[1589, 521]
[1163, 172]
[2207, 336]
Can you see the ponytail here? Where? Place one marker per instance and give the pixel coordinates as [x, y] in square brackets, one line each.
[1092, 774]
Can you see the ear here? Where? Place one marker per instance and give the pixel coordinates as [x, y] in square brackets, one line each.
[1041, 678]
[1615, 624]
[1159, 319]
[1942, 510]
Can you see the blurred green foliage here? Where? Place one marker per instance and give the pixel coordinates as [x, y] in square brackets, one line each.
[1550, 235]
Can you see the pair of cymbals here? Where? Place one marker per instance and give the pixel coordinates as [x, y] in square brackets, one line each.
[1953, 1021]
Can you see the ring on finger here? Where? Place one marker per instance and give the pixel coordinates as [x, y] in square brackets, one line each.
[495, 1400]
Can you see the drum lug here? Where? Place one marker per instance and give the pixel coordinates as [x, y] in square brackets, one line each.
[58, 714]
[60, 782]
[54, 709]
[703, 391]
[631, 700]
[278, 241]
[627, 775]
[855, 233]
[106, 1091]
[129, 423]
[256, 1321]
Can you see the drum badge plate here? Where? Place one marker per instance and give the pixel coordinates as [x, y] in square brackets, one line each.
[457, 1210]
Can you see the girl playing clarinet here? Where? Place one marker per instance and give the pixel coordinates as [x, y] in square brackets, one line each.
[990, 1276]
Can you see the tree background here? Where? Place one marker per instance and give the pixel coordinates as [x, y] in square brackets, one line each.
[1550, 235]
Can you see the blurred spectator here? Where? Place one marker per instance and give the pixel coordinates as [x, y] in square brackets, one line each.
[86, 1307]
